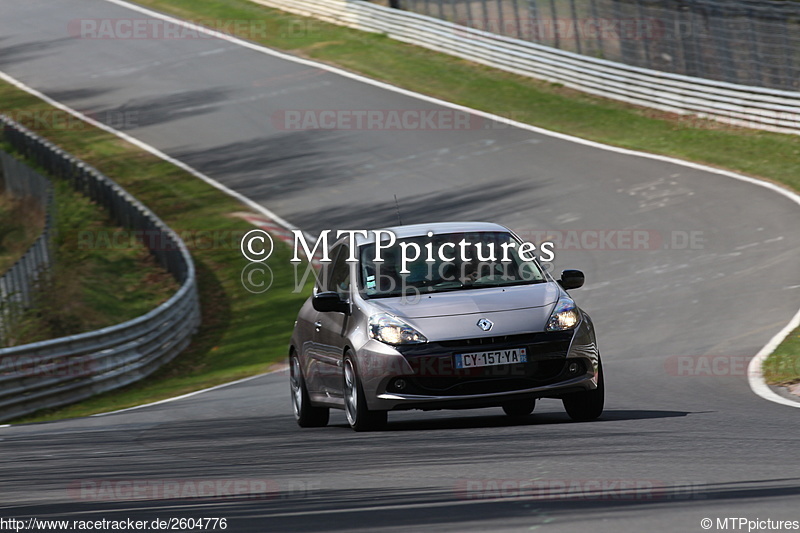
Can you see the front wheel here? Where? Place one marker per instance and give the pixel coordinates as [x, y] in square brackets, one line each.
[359, 416]
[587, 405]
[307, 415]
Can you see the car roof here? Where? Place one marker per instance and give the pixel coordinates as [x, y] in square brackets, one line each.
[438, 228]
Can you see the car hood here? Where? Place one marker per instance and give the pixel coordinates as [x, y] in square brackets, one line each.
[473, 301]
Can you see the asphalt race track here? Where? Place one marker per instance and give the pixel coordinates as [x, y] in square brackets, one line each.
[676, 444]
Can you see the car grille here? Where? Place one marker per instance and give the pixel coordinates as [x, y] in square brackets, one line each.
[435, 372]
[530, 338]
[545, 344]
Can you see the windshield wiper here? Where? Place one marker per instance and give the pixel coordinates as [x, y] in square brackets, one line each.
[508, 284]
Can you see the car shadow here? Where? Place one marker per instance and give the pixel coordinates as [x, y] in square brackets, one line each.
[501, 420]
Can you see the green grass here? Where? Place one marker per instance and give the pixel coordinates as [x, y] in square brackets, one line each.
[234, 341]
[242, 334]
[91, 287]
[783, 366]
[21, 223]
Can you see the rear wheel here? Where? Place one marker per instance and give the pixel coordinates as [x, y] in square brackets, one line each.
[587, 405]
[519, 408]
[359, 416]
[307, 415]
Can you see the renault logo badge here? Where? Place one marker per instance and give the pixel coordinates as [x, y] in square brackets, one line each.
[485, 324]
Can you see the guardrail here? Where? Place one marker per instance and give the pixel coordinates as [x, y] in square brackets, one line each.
[65, 370]
[18, 283]
[742, 105]
[749, 42]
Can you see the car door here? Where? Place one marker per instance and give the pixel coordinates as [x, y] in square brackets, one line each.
[331, 326]
[309, 322]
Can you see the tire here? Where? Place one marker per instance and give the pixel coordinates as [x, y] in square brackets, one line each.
[359, 416]
[519, 408]
[587, 405]
[306, 415]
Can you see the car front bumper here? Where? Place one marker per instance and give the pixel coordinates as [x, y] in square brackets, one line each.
[424, 377]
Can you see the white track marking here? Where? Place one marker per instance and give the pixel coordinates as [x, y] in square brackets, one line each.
[754, 375]
[195, 393]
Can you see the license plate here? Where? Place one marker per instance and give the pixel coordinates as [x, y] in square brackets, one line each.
[496, 357]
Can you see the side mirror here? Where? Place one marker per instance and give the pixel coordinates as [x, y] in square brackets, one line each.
[326, 302]
[572, 279]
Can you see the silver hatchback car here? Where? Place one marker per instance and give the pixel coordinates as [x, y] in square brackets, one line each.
[441, 316]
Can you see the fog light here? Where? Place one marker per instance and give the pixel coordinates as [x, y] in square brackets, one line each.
[573, 368]
[399, 384]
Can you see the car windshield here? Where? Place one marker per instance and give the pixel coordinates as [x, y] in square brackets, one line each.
[447, 262]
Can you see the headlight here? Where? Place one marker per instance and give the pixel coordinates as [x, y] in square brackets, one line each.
[391, 330]
[565, 316]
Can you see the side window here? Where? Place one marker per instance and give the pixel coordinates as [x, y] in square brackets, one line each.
[340, 273]
[323, 275]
